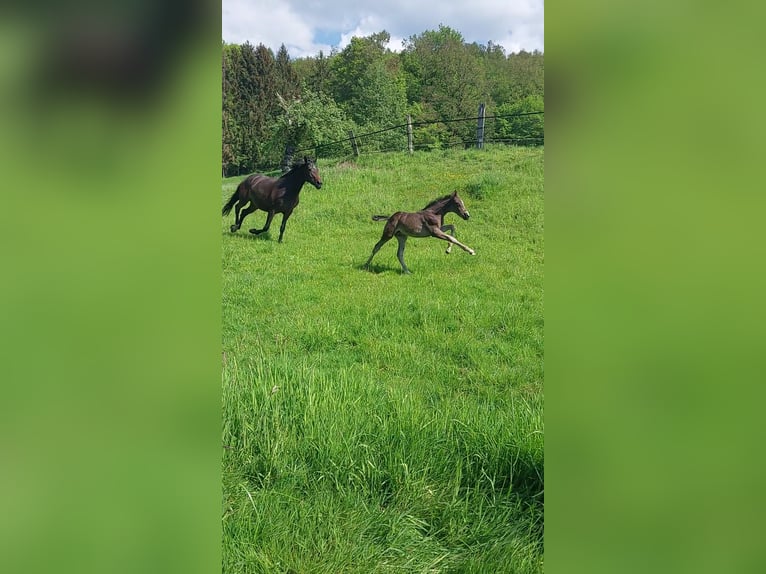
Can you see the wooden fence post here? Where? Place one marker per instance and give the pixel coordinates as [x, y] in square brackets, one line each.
[480, 128]
[409, 133]
[353, 142]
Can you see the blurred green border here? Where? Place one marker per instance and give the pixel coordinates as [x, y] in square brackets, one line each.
[654, 277]
[110, 312]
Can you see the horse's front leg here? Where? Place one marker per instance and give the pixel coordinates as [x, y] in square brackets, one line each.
[269, 217]
[451, 228]
[285, 217]
[439, 234]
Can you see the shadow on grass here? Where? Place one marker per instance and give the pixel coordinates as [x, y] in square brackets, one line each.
[245, 234]
[379, 269]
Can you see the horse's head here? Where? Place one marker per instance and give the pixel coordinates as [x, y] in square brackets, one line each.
[312, 172]
[461, 210]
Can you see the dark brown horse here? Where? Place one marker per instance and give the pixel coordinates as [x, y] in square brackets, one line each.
[428, 222]
[272, 195]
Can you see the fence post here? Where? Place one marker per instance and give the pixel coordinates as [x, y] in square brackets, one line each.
[353, 142]
[409, 133]
[480, 128]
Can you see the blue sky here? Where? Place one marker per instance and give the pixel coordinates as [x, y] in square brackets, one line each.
[305, 27]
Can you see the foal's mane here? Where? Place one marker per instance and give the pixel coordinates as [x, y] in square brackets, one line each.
[438, 201]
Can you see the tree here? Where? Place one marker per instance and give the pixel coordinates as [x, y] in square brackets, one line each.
[448, 76]
[527, 129]
[314, 73]
[350, 67]
[286, 79]
[269, 101]
[312, 122]
[430, 134]
[381, 103]
[526, 74]
[234, 112]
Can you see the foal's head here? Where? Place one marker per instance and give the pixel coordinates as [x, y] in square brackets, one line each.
[310, 172]
[459, 206]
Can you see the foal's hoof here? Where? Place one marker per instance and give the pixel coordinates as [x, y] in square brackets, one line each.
[255, 231]
[233, 228]
[472, 252]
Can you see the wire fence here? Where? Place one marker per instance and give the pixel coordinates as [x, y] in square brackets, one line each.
[370, 142]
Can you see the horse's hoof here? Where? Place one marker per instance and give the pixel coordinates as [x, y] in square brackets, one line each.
[472, 252]
[254, 231]
[233, 228]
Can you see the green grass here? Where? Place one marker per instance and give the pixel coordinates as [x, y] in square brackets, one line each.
[380, 422]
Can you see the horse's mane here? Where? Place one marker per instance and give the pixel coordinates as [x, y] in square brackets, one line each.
[296, 164]
[301, 162]
[438, 200]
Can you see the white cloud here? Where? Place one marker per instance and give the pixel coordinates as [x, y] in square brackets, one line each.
[268, 22]
[513, 24]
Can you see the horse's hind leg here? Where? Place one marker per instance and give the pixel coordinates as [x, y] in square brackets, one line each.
[400, 253]
[237, 207]
[378, 245]
[451, 228]
[243, 212]
[269, 217]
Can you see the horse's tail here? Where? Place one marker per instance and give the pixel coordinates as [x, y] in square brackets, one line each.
[380, 217]
[232, 200]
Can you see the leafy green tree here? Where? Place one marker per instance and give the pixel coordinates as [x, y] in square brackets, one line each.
[526, 129]
[526, 73]
[312, 122]
[315, 73]
[451, 77]
[498, 73]
[382, 103]
[350, 69]
[428, 133]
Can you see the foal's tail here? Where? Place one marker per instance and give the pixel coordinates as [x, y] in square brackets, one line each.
[231, 202]
[380, 217]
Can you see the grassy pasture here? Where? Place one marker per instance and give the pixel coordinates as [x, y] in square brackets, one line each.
[380, 422]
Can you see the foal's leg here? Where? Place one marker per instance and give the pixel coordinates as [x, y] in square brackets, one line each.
[438, 233]
[451, 228]
[400, 252]
[378, 245]
[269, 217]
[243, 212]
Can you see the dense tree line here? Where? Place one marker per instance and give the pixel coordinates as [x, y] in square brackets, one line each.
[271, 102]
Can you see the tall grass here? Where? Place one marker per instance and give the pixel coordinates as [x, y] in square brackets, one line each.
[379, 422]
